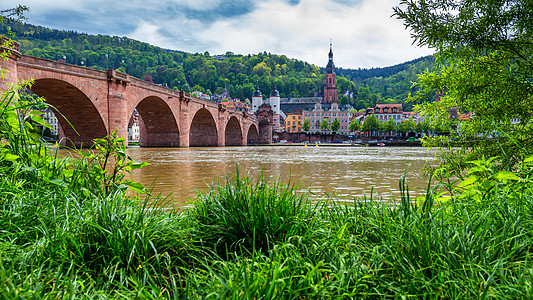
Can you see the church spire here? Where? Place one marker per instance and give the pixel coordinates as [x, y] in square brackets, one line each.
[330, 86]
[330, 68]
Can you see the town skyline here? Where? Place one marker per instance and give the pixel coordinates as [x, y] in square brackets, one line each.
[363, 32]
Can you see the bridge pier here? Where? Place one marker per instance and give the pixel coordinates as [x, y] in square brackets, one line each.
[118, 117]
[265, 132]
[221, 141]
[9, 65]
[183, 121]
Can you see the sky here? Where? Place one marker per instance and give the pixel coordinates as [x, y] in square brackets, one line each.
[363, 32]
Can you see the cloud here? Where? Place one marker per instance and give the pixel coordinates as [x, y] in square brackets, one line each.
[199, 5]
[363, 32]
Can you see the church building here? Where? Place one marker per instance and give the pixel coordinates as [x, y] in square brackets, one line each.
[330, 86]
[316, 109]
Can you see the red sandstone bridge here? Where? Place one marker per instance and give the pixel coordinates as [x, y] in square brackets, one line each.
[97, 102]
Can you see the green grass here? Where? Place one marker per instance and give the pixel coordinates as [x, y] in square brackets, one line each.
[253, 239]
[69, 230]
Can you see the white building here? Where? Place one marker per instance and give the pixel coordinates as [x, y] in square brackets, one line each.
[274, 101]
[328, 111]
[133, 127]
[51, 119]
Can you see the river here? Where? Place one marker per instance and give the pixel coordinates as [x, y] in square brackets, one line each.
[347, 172]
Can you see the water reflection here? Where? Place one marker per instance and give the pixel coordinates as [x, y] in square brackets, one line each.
[346, 171]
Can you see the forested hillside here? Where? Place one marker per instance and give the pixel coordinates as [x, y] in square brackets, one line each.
[211, 73]
[387, 85]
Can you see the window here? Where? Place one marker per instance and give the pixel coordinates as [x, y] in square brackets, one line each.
[376, 110]
[385, 110]
[394, 109]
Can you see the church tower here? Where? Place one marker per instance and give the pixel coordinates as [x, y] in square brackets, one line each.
[330, 86]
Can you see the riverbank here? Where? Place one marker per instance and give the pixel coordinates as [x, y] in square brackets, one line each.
[395, 143]
[69, 229]
[253, 238]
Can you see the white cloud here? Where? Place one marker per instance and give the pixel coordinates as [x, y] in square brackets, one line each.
[363, 32]
[363, 35]
[148, 33]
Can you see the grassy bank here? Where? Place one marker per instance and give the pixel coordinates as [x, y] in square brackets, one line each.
[68, 230]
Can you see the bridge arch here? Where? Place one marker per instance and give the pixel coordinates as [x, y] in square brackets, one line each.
[203, 129]
[158, 127]
[75, 108]
[252, 136]
[233, 132]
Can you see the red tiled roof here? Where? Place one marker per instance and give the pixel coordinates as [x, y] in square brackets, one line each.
[465, 116]
[398, 106]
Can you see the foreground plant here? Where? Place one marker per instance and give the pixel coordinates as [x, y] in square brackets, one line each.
[244, 213]
[484, 61]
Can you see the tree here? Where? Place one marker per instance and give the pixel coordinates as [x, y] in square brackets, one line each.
[484, 62]
[335, 125]
[186, 88]
[324, 125]
[406, 126]
[371, 124]
[262, 69]
[306, 126]
[16, 13]
[354, 125]
[389, 125]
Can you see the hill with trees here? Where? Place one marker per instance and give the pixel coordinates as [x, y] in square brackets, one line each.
[212, 73]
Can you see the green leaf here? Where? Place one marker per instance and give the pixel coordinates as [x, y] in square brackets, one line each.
[36, 112]
[478, 169]
[136, 186]
[506, 175]
[39, 120]
[135, 165]
[10, 157]
[475, 162]
[13, 122]
[470, 180]
[59, 182]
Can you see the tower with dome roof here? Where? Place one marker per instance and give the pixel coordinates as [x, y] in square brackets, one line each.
[330, 84]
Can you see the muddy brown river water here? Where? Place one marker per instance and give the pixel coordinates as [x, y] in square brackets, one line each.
[345, 171]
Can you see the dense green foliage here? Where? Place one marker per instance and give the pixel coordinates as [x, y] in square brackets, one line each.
[484, 67]
[69, 230]
[306, 126]
[211, 73]
[387, 85]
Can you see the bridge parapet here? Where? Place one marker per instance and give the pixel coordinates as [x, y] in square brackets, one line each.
[59, 67]
[152, 87]
[118, 77]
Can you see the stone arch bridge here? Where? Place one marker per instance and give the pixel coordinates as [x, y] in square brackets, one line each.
[97, 102]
